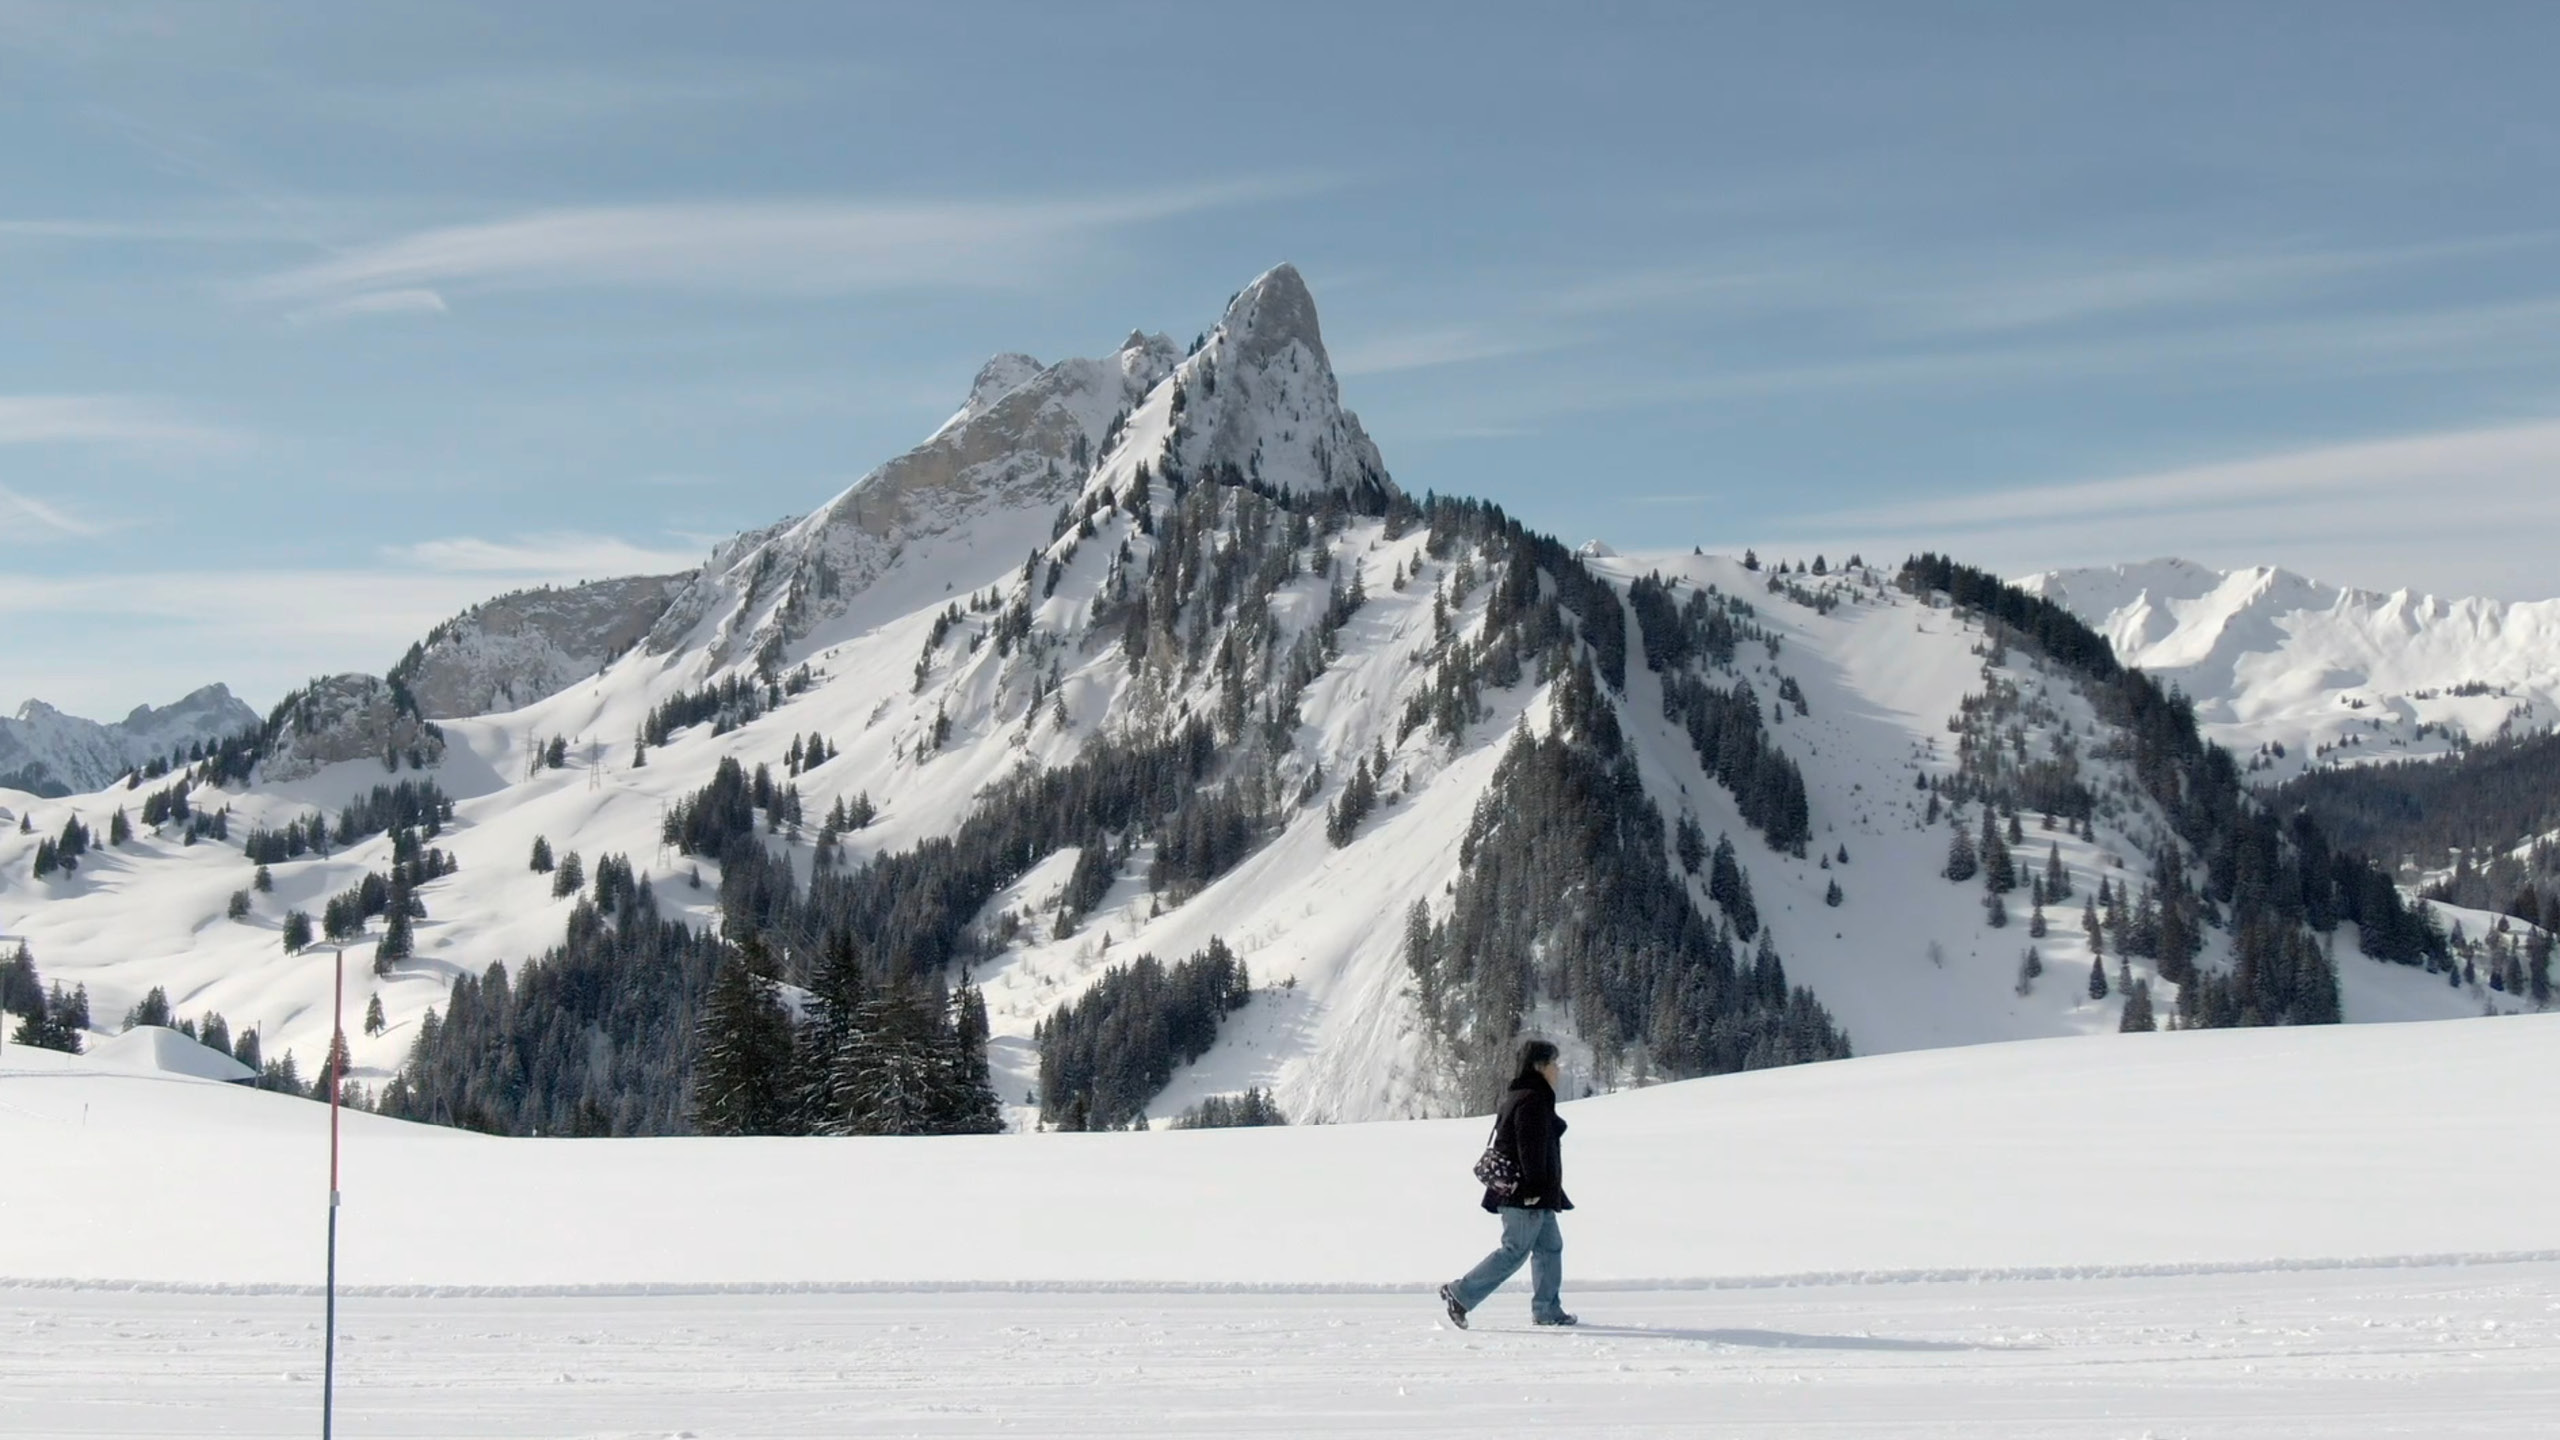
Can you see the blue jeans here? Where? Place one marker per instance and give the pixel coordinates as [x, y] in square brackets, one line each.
[1530, 1235]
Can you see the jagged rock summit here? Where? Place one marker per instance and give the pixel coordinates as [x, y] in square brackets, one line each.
[1257, 401]
[1260, 398]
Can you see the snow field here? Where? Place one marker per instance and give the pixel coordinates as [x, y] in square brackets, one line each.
[2148, 1152]
[2275, 1233]
[2438, 1352]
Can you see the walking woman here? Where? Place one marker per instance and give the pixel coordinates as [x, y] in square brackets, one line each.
[1528, 1130]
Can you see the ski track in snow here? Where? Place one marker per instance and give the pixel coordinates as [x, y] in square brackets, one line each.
[2468, 1352]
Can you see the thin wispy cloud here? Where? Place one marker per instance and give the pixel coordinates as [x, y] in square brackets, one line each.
[2351, 513]
[103, 420]
[561, 556]
[2495, 467]
[372, 304]
[2047, 294]
[783, 247]
[517, 103]
[44, 514]
[1433, 348]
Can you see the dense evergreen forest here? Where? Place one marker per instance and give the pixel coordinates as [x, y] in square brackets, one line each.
[2487, 816]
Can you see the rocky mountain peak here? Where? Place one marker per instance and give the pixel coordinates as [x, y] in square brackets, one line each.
[1267, 316]
[1260, 400]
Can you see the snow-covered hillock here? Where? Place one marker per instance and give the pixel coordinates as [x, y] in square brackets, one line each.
[48, 753]
[2324, 673]
[521, 647]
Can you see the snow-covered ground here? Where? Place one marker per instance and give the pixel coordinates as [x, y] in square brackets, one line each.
[2328, 1231]
[2429, 1351]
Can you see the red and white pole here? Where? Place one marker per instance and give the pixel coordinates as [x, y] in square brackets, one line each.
[329, 1340]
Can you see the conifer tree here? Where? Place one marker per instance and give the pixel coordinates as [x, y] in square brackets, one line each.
[374, 1023]
[742, 1078]
[2098, 979]
[297, 931]
[569, 878]
[1999, 872]
[541, 862]
[1962, 864]
[2137, 1009]
[1730, 888]
[119, 829]
[265, 883]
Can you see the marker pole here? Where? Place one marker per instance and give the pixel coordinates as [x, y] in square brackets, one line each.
[329, 1332]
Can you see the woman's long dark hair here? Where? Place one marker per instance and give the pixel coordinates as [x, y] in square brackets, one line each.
[1533, 1055]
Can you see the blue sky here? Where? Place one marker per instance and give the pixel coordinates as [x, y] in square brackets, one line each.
[319, 321]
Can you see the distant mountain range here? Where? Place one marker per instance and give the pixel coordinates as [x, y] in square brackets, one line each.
[48, 753]
[2330, 674]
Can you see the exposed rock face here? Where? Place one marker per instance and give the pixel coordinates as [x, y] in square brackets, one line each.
[1029, 445]
[508, 652]
[51, 754]
[348, 717]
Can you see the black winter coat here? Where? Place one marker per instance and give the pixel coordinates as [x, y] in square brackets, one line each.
[1528, 1127]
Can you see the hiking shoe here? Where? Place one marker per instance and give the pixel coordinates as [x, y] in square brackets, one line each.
[1558, 1318]
[1457, 1312]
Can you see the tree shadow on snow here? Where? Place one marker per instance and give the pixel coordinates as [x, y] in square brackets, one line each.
[1782, 1339]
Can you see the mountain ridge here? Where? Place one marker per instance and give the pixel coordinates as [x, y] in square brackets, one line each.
[2330, 674]
[1103, 558]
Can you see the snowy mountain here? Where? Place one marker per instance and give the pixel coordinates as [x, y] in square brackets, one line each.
[2331, 675]
[1146, 655]
[48, 753]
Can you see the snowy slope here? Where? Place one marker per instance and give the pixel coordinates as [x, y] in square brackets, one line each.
[2334, 675]
[2156, 1154]
[1032, 504]
[47, 752]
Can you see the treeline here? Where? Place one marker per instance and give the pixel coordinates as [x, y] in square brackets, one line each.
[603, 1034]
[593, 1037]
[305, 835]
[52, 1019]
[1232, 1112]
[2049, 627]
[862, 1059]
[62, 853]
[1106, 1054]
[1724, 727]
[1676, 632]
[726, 703]
[413, 804]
